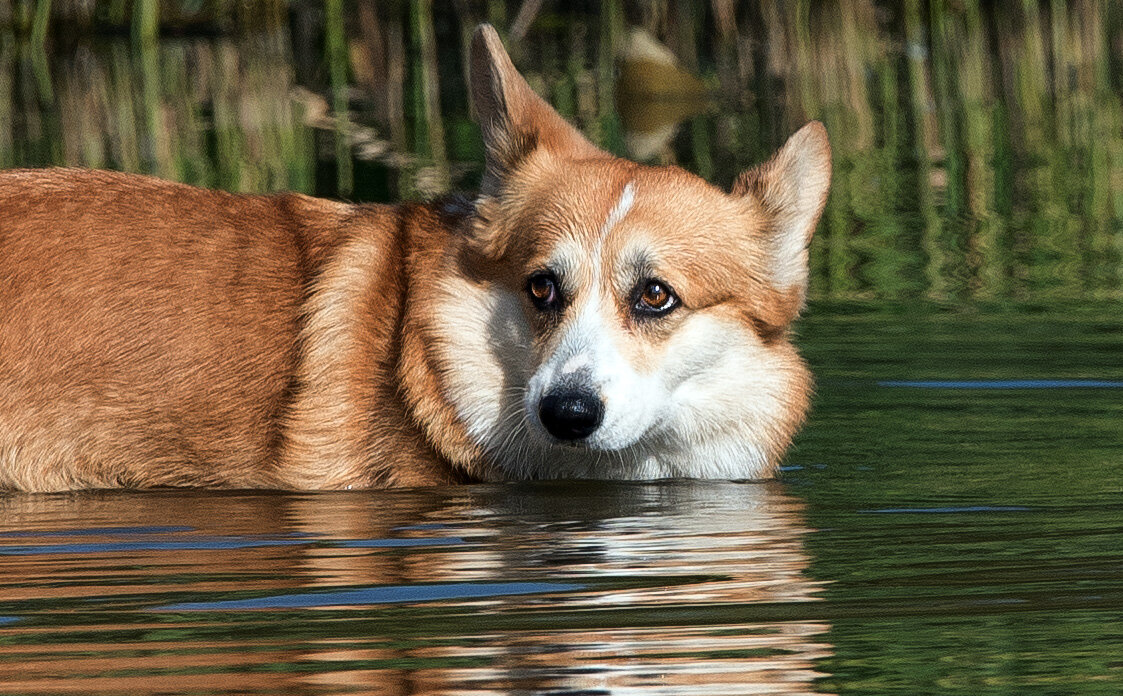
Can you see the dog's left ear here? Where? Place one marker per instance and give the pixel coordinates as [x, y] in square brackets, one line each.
[791, 190]
[515, 121]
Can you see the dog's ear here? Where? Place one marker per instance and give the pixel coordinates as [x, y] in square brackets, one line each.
[790, 190]
[515, 121]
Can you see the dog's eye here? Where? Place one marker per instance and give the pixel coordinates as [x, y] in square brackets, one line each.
[543, 291]
[655, 298]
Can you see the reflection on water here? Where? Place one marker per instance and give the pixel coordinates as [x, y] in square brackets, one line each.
[491, 589]
[978, 147]
[962, 469]
[949, 520]
[933, 538]
[220, 113]
[654, 95]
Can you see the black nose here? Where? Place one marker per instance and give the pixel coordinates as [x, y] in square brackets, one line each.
[570, 414]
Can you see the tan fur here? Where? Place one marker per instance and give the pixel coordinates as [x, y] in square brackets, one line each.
[156, 334]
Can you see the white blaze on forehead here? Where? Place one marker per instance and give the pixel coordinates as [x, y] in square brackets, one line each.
[618, 213]
[570, 256]
[627, 199]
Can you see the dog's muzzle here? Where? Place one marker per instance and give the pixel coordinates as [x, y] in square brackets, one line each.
[571, 414]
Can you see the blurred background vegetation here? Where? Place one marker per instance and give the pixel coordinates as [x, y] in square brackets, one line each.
[978, 146]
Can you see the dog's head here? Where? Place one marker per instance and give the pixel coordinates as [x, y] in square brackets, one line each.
[612, 320]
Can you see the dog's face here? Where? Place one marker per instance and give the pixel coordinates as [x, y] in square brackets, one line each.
[611, 320]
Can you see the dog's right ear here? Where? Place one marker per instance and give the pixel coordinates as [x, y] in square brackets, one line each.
[515, 121]
[791, 189]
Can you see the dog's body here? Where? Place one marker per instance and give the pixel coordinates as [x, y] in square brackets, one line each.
[585, 317]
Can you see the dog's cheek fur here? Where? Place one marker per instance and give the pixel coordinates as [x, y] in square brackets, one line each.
[742, 402]
[483, 348]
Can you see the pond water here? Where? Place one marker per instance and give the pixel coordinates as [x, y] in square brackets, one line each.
[950, 520]
[926, 536]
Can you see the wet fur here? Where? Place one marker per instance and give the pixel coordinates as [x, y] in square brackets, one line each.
[153, 333]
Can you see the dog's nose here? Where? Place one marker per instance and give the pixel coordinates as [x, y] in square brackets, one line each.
[571, 415]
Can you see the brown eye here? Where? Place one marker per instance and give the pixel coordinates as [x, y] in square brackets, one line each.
[655, 299]
[543, 291]
[655, 295]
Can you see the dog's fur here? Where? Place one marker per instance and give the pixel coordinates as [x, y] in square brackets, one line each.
[155, 334]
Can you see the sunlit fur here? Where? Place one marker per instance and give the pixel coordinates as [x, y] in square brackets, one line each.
[714, 389]
[698, 393]
[157, 334]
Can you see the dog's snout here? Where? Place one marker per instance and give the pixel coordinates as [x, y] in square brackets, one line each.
[571, 414]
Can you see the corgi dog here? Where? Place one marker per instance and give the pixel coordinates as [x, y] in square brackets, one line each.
[584, 316]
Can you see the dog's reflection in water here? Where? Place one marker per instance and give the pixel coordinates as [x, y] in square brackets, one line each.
[509, 588]
[669, 576]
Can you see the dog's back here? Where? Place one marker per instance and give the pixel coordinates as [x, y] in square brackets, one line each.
[148, 330]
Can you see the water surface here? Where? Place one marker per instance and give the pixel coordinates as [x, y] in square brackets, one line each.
[923, 539]
[950, 520]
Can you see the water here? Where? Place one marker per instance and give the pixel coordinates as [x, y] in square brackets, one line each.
[490, 588]
[949, 521]
[923, 539]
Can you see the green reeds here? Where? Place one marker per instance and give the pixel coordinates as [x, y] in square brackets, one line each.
[146, 22]
[978, 147]
[40, 22]
[925, 142]
[429, 138]
[335, 41]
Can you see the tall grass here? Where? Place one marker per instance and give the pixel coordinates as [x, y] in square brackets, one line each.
[978, 146]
